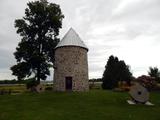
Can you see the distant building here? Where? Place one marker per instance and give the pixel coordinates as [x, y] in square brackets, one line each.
[71, 64]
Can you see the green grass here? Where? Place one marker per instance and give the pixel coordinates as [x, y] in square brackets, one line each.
[92, 105]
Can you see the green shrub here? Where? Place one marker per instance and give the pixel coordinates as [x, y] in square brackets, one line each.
[49, 88]
[31, 82]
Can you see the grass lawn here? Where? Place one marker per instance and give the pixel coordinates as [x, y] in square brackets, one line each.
[92, 105]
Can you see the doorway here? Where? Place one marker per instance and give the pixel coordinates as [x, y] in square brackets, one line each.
[68, 81]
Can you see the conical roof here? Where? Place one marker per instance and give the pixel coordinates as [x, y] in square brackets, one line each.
[71, 38]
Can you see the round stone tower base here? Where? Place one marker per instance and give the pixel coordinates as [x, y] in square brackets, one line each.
[71, 73]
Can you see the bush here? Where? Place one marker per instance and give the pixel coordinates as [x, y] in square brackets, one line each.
[147, 81]
[31, 82]
[49, 88]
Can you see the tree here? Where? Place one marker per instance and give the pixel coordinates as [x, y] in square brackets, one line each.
[154, 72]
[116, 70]
[108, 78]
[123, 72]
[39, 29]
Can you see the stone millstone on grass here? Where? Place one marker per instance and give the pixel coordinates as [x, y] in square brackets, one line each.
[39, 88]
[139, 94]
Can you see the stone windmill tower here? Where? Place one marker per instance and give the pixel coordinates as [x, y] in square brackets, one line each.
[71, 64]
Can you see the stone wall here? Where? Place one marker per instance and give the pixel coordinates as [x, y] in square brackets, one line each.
[71, 62]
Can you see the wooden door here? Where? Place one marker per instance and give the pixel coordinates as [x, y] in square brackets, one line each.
[68, 83]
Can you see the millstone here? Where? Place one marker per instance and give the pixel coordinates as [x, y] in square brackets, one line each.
[139, 93]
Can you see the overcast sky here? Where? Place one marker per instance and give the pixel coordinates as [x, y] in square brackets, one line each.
[128, 29]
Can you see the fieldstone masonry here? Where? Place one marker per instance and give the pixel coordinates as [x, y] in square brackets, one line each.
[71, 62]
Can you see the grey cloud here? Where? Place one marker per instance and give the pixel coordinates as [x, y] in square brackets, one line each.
[138, 9]
[140, 18]
[6, 59]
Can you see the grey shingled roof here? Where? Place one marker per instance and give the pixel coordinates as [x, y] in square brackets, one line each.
[71, 38]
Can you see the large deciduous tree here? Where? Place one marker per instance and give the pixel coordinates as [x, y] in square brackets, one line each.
[38, 29]
[115, 71]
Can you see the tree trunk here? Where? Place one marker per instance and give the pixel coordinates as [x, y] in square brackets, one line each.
[39, 64]
[38, 74]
